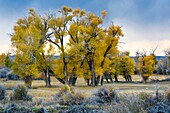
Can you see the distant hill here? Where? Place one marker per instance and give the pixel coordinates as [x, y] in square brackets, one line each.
[56, 57]
[13, 56]
[160, 57]
[157, 57]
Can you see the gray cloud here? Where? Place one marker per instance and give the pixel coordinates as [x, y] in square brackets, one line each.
[143, 21]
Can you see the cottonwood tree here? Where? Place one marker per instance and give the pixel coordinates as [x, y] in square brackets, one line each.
[146, 65]
[29, 36]
[5, 60]
[2, 59]
[152, 53]
[127, 66]
[91, 43]
[25, 39]
[45, 61]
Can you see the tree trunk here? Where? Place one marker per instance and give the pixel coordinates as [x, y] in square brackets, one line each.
[65, 71]
[47, 79]
[73, 78]
[102, 81]
[93, 73]
[70, 81]
[97, 80]
[110, 77]
[125, 78]
[106, 77]
[130, 78]
[61, 80]
[28, 81]
[116, 79]
[88, 82]
[74, 81]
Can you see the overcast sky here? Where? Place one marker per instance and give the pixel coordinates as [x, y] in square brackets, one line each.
[145, 23]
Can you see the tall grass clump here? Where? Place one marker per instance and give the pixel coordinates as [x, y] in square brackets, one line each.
[167, 95]
[2, 92]
[67, 96]
[20, 92]
[128, 103]
[133, 103]
[146, 99]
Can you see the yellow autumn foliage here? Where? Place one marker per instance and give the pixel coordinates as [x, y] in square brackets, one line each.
[146, 66]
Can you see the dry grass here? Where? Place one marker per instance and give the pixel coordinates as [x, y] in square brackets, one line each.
[39, 91]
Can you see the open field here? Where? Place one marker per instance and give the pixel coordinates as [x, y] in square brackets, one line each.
[39, 91]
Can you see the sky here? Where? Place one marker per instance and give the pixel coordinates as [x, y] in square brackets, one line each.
[145, 23]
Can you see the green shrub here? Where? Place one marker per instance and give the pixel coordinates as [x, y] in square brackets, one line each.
[2, 92]
[20, 93]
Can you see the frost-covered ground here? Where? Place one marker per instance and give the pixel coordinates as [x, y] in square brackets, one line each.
[119, 97]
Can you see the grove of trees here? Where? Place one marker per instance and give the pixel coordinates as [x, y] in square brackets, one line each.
[92, 51]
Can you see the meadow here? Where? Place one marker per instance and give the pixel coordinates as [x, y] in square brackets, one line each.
[40, 91]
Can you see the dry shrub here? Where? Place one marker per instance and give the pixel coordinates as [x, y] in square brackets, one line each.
[160, 107]
[67, 96]
[123, 108]
[107, 95]
[2, 92]
[148, 100]
[144, 96]
[14, 108]
[20, 93]
[128, 104]
[117, 108]
[66, 89]
[133, 103]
